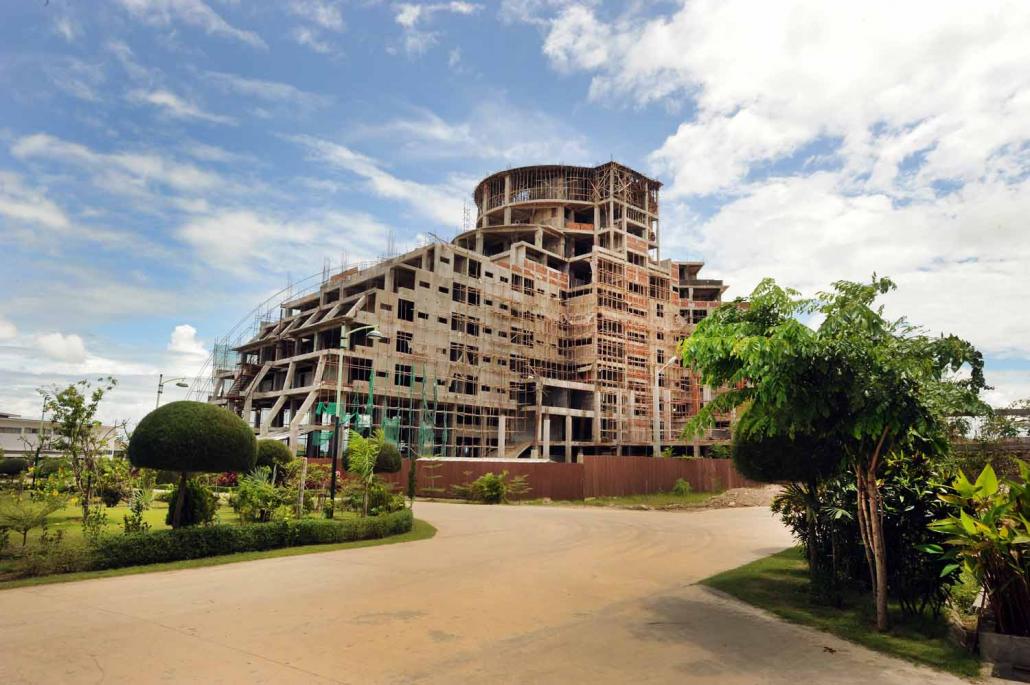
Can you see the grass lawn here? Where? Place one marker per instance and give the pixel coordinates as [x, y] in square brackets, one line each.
[420, 531]
[69, 520]
[779, 584]
[658, 500]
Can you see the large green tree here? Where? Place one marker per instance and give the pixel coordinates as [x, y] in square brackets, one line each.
[854, 378]
[192, 436]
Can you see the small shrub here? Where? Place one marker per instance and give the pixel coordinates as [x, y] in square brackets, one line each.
[139, 502]
[22, 514]
[49, 466]
[198, 508]
[256, 498]
[491, 488]
[381, 499]
[12, 466]
[93, 524]
[681, 488]
[389, 458]
[273, 453]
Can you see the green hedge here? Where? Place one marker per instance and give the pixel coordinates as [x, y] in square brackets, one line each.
[208, 541]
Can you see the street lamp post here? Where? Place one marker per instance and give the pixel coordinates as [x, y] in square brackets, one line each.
[339, 443]
[161, 380]
[656, 424]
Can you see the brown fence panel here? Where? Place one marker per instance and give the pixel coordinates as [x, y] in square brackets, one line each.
[595, 477]
[545, 479]
[614, 476]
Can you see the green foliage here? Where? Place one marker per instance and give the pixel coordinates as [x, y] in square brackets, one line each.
[389, 458]
[273, 453]
[491, 488]
[381, 499]
[78, 434]
[139, 502]
[917, 581]
[363, 454]
[781, 458]
[988, 533]
[93, 524]
[720, 451]
[22, 514]
[49, 466]
[194, 543]
[859, 384]
[12, 466]
[198, 507]
[193, 436]
[256, 499]
[682, 488]
[114, 481]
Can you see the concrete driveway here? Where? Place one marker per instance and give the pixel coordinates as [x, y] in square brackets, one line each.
[501, 594]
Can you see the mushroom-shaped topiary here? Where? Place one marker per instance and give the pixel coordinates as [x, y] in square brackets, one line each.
[192, 436]
[273, 453]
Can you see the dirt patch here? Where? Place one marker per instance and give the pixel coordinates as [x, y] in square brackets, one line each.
[744, 497]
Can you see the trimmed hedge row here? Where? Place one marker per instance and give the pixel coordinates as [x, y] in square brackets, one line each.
[208, 541]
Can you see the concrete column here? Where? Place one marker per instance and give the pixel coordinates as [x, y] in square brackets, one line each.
[547, 439]
[538, 431]
[597, 417]
[500, 435]
[568, 439]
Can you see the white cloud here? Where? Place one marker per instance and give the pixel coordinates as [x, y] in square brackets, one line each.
[66, 28]
[7, 329]
[184, 341]
[310, 39]
[176, 107]
[21, 204]
[411, 17]
[65, 348]
[831, 144]
[120, 171]
[442, 204]
[271, 91]
[326, 15]
[76, 77]
[1008, 387]
[960, 261]
[192, 13]
[248, 244]
[494, 130]
[888, 80]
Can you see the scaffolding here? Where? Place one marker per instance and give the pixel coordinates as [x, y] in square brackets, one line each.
[538, 334]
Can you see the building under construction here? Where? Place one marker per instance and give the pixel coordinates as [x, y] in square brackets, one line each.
[548, 330]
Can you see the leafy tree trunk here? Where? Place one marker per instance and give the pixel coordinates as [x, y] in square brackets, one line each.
[870, 517]
[180, 499]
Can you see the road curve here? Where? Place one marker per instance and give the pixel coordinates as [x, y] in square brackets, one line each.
[501, 594]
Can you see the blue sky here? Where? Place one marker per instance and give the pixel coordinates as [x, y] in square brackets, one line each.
[166, 165]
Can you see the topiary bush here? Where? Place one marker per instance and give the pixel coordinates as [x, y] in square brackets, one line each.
[389, 458]
[198, 507]
[12, 466]
[190, 437]
[48, 466]
[193, 436]
[273, 453]
[195, 543]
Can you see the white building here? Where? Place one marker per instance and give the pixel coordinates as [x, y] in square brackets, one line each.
[20, 437]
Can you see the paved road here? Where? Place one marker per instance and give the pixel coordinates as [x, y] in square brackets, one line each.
[501, 594]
